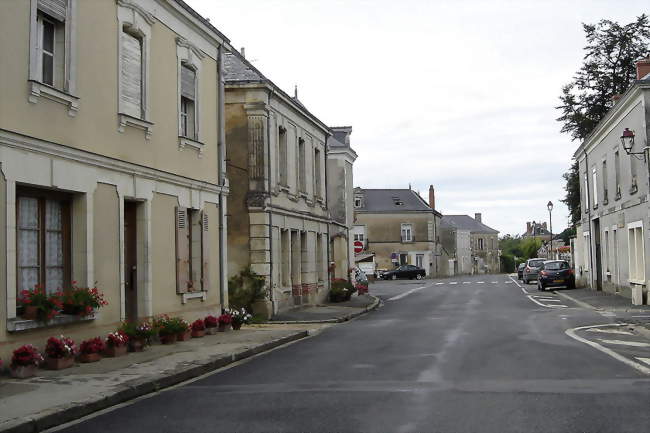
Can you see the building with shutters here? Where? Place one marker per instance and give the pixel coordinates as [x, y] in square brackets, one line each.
[399, 227]
[276, 165]
[482, 244]
[112, 161]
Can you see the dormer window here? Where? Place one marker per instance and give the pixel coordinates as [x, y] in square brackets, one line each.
[358, 201]
[397, 201]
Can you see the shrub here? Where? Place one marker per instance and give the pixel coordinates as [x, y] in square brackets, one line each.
[245, 288]
[143, 330]
[341, 290]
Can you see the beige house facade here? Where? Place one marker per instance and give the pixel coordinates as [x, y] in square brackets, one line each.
[112, 161]
[485, 256]
[277, 167]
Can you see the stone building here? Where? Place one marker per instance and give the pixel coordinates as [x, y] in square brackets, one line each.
[537, 230]
[456, 248]
[399, 227]
[611, 250]
[340, 190]
[276, 164]
[112, 161]
[483, 242]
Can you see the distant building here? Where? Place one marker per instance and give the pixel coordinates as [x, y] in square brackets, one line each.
[484, 243]
[456, 247]
[537, 230]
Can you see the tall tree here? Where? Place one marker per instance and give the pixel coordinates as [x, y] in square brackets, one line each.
[608, 69]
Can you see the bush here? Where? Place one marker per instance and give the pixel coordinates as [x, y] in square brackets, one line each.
[341, 290]
[245, 289]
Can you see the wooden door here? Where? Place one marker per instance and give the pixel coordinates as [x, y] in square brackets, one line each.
[131, 260]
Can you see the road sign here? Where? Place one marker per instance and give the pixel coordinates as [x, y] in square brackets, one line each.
[358, 246]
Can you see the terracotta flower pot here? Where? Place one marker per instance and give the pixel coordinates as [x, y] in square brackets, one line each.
[236, 326]
[184, 336]
[30, 312]
[115, 351]
[198, 333]
[136, 344]
[223, 327]
[22, 371]
[89, 357]
[59, 363]
[211, 331]
[168, 339]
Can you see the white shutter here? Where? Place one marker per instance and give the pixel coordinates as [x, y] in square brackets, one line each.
[57, 9]
[188, 78]
[131, 76]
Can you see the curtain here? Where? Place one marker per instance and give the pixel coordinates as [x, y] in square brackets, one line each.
[53, 246]
[28, 230]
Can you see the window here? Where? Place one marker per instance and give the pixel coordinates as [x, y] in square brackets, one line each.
[605, 190]
[301, 166]
[42, 239]
[633, 186]
[419, 259]
[192, 250]
[317, 175]
[407, 233]
[636, 252]
[617, 173]
[188, 96]
[605, 251]
[131, 75]
[586, 255]
[586, 194]
[595, 185]
[359, 237]
[358, 201]
[282, 163]
[480, 243]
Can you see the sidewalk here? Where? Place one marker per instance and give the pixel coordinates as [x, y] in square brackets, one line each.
[599, 300]
[330, 312]
[56, 397]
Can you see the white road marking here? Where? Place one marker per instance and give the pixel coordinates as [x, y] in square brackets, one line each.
[607, 314]
[646, 360]
[495, 282]
[544, 305]
[467, 282]
[610, 331]
[439, 284]
[405, 294]
[453, 282]
[508, 282]
[480, 282]
[640, 316]
[519, 285]
[626, 343]
[551, 300]
[572, 333]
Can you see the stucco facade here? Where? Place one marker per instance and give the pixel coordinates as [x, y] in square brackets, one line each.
[470, 237]
[118, 180]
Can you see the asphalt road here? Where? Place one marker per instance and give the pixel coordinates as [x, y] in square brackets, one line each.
[474, 356]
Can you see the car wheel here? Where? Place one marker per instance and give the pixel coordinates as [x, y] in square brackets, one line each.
[525, 281]
[418, 277]
[393, 277]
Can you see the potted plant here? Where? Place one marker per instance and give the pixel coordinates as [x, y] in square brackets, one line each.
[82, 301]
[91, 350]
[166, 328]
[60, 353]
[225, 320]
[198, 328]
[184, 331]
[116, 344]
[25, 361]
[211, 324]
[139, 335]
[37, 304]
[240, 317]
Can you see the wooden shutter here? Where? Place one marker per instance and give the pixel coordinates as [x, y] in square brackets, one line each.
[131, 76]
[182, 250]
[188, 78]
[56, 9]
[205, 252]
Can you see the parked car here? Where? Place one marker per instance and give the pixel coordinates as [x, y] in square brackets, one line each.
[532, 270]
[360, 276]
[520, 270]
[404, 271]
[554, 273]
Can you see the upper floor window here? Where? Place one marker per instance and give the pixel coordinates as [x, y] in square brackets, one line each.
[189, 59]
[302, 184]
[188, 106]
[480, 243]
[407, 233]
[131, 74]
[282, 157]
[605, 188]
[317, 174]
[359, 237]
[617, 173]
[358, 201]
[595, 185]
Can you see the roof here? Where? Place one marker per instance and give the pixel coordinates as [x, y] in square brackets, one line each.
[466, 222]
[392, 200]
[203, 20]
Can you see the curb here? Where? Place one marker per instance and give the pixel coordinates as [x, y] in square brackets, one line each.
[140, 387]
[375, 304]
[584, 304]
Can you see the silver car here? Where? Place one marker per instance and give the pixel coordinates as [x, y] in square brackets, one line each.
[531, 271]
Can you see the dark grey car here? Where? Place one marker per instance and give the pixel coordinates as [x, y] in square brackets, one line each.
[531, 271]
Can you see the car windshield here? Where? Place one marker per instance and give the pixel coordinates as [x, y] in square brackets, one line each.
[555, 266]
[535, 263]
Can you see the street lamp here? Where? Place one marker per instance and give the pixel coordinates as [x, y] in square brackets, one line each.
[549, 206]
[627, 140]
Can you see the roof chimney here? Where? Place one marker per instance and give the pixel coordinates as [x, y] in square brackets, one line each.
[477, 217]
[432, 197]
[643, 69]
[243, 52]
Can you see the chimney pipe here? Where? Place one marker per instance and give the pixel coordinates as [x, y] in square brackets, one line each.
[477, 217]
[432, 197]
[243, 52]
[642, 68]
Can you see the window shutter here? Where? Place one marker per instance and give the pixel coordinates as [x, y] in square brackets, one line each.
[182, 250]
[131, 76]
[188, 78]
[205, 252]
[57, 9]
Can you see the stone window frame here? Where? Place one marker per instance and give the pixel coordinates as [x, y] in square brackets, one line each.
[638, 277]
[187, 54]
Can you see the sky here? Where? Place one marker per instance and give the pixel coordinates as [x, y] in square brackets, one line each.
[458, 94]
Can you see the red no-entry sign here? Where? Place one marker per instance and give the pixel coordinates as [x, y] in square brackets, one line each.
[358, 246]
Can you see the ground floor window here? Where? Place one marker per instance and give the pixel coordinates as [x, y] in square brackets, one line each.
[42, 239]
[419, 260]
[636, 251]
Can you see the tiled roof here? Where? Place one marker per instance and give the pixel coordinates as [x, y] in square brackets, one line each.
[236, 70]
[391, 200]
[466, 222]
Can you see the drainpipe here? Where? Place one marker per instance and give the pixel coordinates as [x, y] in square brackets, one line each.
[329, 224]
[270, 210]
[221, 149]
[591, 250]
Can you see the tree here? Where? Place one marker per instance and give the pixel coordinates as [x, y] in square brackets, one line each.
[608, 70]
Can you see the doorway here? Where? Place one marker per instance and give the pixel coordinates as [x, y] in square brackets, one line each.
[598, 271]
[131, 260]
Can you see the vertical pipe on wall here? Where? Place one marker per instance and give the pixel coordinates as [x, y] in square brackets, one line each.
[592, 269]
[270, 207]
[222, 180]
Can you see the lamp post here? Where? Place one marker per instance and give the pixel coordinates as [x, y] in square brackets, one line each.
[549, 206]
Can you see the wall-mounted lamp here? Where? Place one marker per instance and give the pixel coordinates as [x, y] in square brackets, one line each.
[627, 140]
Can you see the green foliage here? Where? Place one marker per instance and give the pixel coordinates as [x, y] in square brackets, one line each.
[572, 197]
[244, 289]
[341, 290]
[507, 262]
[516, 250]
[567, 234]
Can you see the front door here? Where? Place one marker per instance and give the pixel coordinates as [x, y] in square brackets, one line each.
[131, 260]
[599, 267]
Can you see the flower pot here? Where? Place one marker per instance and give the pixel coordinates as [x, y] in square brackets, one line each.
[136, 344]
[168, 339]
[236, 326]
[211, 331]
[115, 351]
[59, 363]
[198, 333]
[184, 336]
[223, 327]
[22, 371]
[89, 357]
[30, 312]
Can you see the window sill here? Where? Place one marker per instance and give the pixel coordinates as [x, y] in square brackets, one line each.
[38, 89]
[125, 120]
[20, 325]
[193, 295]
[184, 142]
[637, 282]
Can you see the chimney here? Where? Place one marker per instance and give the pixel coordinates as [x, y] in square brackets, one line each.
[642, 68]
[528, 228]
[432, 197]
[477, 217]
[243, 52]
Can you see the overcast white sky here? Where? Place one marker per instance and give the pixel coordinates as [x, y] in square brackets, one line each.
[457, 93]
